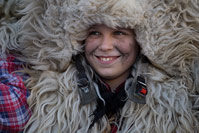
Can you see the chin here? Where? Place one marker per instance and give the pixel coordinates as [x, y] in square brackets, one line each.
[107, 76]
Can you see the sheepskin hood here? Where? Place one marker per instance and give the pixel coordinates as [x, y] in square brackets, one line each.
[53, 31]
[49, 33]
[113, 13]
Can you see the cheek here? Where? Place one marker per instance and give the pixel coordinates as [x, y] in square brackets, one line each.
[90, 46]
[128, 47]
[87, 52]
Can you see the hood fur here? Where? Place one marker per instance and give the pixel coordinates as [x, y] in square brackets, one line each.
[9, 15]
[51, 32]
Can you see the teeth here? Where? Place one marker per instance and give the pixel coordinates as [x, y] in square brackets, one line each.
[106, 59]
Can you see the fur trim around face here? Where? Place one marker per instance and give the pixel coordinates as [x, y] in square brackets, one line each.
[51, 32]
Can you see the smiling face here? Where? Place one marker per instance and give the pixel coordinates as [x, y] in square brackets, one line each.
[111, 52]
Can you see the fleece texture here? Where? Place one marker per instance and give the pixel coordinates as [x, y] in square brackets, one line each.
[47, 33]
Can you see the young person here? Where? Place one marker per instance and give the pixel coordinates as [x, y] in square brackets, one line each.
[111, 66]
[111, 53]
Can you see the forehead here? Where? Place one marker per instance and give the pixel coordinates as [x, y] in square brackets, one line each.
[102, 26]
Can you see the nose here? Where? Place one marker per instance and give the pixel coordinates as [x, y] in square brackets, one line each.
[106, 43]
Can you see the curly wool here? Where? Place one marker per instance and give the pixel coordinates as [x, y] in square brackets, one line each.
[9, 16]
[51, 32]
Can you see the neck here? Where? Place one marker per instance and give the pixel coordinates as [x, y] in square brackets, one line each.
[114, 83]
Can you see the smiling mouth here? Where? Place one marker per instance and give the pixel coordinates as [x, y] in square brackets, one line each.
[107, 59]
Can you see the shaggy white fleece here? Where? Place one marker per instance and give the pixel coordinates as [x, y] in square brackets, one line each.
[51, 32]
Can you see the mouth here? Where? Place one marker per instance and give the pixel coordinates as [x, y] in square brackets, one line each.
[107, 59]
